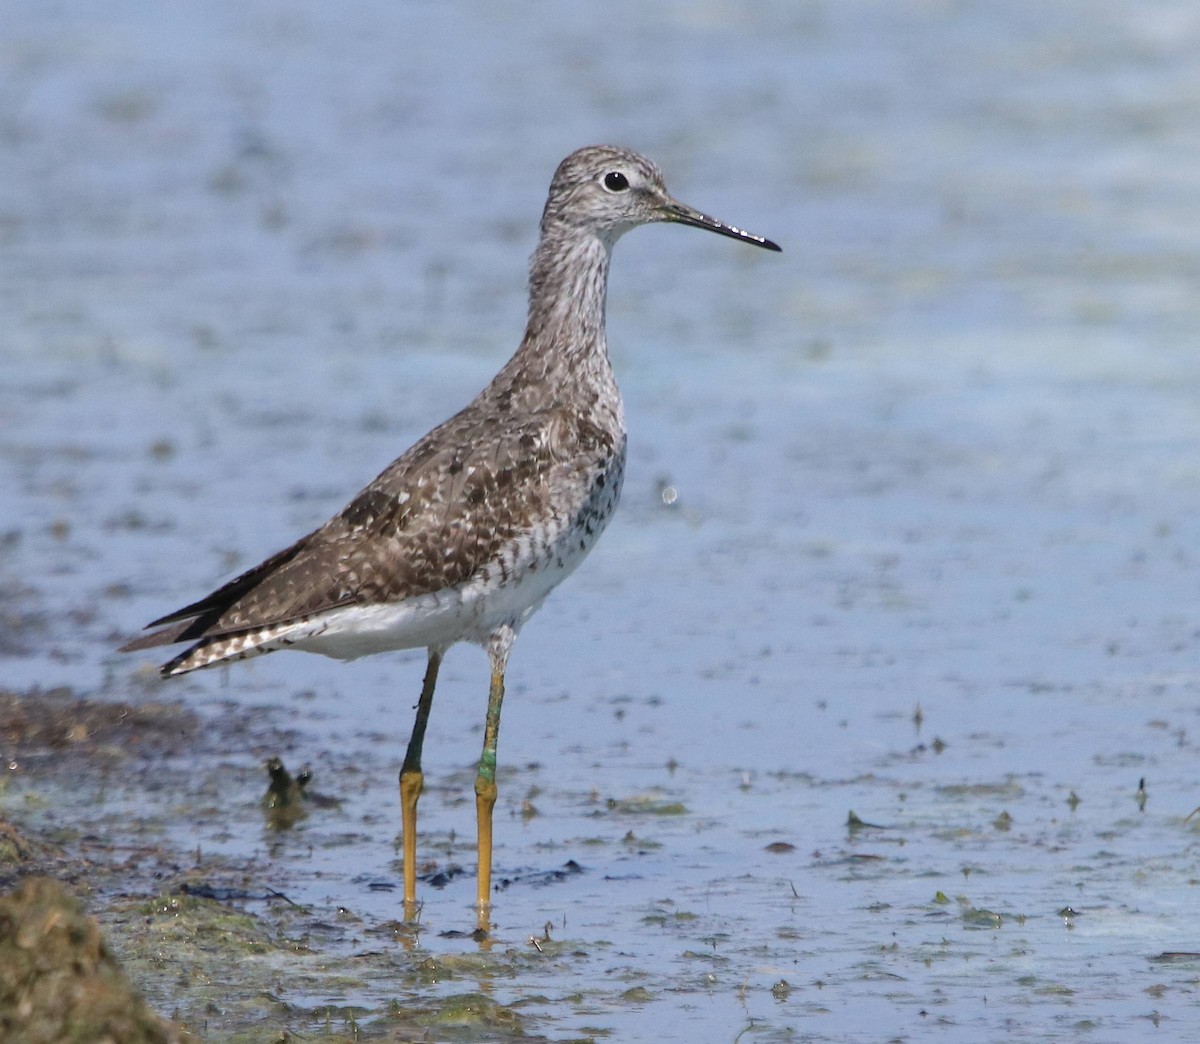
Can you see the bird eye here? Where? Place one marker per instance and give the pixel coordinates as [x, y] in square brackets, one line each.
[615, 181]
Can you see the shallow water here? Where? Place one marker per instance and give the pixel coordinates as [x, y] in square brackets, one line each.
[940, 454]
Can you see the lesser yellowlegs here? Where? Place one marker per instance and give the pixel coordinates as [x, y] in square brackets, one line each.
[462, 538]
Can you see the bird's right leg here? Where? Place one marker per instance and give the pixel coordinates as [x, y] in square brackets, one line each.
[412, 780]
[498, 648]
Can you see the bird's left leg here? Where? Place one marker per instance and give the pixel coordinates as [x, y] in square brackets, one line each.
[498, 648]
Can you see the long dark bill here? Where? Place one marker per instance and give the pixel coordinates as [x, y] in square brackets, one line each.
[685, 215]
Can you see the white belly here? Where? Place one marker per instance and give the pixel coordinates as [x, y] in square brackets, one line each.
[469, 612]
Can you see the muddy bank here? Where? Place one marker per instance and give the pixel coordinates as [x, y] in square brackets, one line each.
[59, 982]
[215, 944]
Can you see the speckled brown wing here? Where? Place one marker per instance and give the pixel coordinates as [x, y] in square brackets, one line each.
[432, 519]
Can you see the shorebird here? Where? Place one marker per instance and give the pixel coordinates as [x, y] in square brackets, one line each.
[462, 538]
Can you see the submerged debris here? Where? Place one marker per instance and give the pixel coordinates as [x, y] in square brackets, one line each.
[37, 724]
[854, 823]
[540, 878]
[17, 849]
[283, 803]
[288, 798]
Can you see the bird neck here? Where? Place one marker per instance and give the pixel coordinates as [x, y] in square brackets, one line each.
[563, 358]
[568, 288]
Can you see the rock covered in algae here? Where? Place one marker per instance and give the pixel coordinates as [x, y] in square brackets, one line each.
[58, 982]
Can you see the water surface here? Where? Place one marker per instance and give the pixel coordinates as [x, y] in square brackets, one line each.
[927, 553]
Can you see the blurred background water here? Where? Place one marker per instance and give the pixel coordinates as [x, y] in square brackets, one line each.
[941, 453]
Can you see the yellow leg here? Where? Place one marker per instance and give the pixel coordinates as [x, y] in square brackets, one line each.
[485, 781]
[485, 802]
[411, 785]
[412, 782]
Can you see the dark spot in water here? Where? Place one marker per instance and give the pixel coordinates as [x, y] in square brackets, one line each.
[541, 878]
[442, 876]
